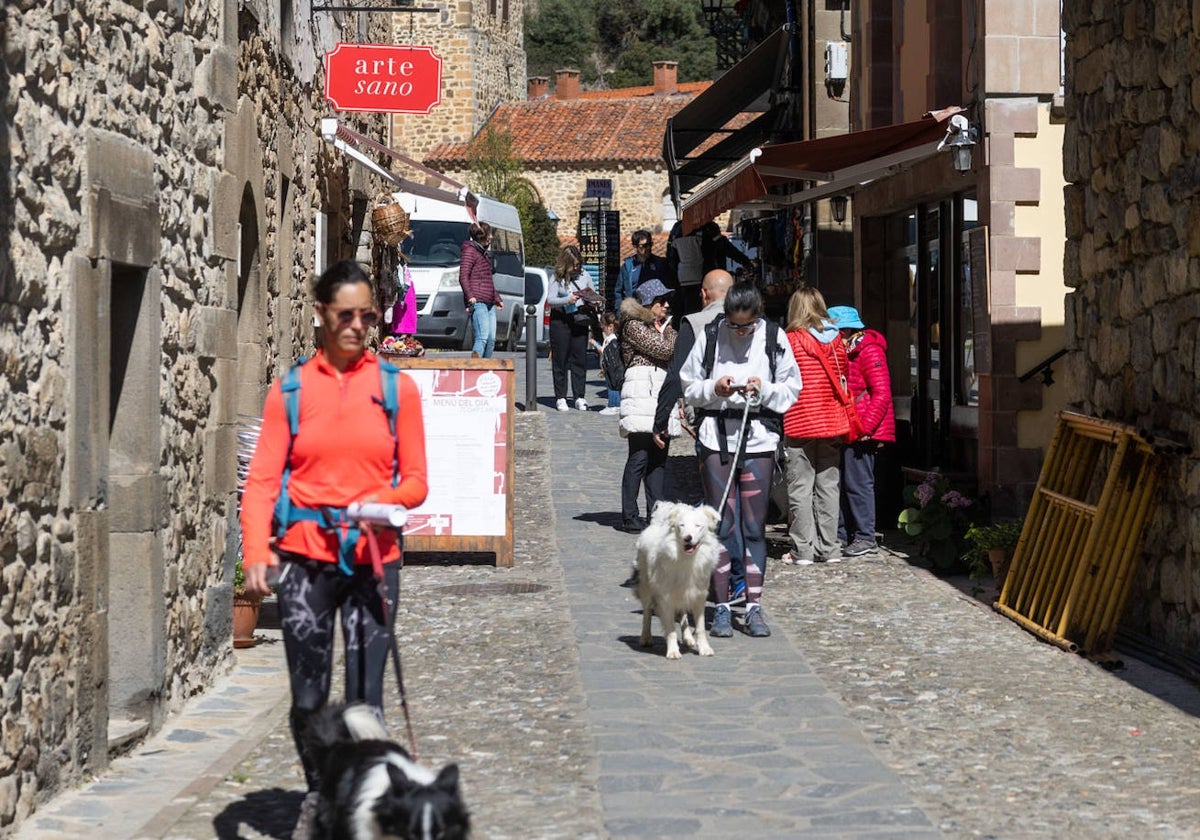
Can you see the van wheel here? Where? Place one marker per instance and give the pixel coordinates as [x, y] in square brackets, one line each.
[514, 334]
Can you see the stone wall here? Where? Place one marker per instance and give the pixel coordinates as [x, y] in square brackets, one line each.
[1133, 257]
[162, 173]
[637, 194]
[483, 65]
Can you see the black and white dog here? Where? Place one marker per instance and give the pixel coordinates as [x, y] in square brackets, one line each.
[371, 789]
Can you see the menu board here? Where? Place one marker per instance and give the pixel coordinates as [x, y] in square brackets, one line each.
[468, 407]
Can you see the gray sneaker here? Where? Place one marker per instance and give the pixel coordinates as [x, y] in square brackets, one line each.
[860, 547]
[756, 625]
[722, 626]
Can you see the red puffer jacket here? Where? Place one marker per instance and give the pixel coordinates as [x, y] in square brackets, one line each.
[818, 412]
[871, 385]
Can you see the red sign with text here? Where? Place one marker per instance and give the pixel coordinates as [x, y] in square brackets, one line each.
[383, 78]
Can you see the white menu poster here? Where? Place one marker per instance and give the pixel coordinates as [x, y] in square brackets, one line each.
[466, 440]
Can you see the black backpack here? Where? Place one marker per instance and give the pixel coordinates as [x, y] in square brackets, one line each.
[613, 364]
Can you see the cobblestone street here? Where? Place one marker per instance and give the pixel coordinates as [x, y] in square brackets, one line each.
[887, 702]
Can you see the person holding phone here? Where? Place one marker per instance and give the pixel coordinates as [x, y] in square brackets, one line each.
[570, 327]
[742, 370]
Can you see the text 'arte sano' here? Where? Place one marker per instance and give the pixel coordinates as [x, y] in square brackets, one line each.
[383, 79]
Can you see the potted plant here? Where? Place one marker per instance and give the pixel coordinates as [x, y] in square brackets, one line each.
[995, 542]
[245, 609]
[938, 517]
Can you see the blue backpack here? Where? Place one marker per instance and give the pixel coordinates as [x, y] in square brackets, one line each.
[331, 518]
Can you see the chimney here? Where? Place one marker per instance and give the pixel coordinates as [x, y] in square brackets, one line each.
[666, 77]
[539, 86]
[566, 84]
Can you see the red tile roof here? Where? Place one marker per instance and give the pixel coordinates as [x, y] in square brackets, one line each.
[602, 130]
[691, 88]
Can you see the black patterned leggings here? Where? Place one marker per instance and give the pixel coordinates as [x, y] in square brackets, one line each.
[310, 595]
[743, 521]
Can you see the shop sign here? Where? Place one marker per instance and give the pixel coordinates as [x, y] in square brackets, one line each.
[599, 188]
[382, 78]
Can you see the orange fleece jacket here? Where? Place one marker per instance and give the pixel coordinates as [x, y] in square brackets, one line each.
[342, 454]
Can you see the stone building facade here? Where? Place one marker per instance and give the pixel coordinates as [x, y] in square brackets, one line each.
[164, 198]
[481, 44]
[568, 136]
[963, 270]
[1132, 160]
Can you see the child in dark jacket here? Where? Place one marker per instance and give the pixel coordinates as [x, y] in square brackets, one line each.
[871, 387]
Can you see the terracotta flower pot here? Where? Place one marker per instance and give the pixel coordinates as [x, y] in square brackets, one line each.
[999, 559]
[245, 619]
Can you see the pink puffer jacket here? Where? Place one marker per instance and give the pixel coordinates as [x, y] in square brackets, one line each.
[871, 385]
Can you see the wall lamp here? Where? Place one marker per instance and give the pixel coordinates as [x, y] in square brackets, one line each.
[960, 137]
[837, 205]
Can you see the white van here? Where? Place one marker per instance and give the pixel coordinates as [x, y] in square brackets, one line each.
[439, 229]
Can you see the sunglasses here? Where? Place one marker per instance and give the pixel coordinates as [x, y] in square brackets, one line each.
[742, 329]
[345, 317]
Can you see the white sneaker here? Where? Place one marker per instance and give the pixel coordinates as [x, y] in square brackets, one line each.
[612, 409]
[581, 404]
[561, 405]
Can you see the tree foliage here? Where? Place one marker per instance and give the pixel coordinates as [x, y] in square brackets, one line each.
[614, 42]
[541, 235]
[493, 163]
[496, 172]
[561, 34]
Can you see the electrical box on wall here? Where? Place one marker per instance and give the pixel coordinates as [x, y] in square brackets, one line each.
[837, 61]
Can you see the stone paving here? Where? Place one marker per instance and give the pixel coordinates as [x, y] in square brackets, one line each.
[887, 702]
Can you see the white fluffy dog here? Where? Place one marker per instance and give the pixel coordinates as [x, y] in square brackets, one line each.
[676, 554]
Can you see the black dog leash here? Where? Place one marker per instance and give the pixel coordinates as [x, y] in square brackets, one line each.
[393, 648]
[752, 401]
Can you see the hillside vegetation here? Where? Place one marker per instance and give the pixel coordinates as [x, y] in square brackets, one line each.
[612, 43]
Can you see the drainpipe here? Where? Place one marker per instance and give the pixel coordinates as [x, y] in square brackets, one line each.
[811, 102]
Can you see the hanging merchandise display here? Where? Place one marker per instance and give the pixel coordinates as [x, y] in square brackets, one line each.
[396, 297]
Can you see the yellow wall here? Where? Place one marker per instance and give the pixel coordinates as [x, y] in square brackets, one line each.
[1045, 289]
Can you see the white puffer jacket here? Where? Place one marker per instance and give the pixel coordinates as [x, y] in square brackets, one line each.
[646, 351]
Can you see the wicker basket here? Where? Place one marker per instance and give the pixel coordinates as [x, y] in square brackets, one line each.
[389, 220]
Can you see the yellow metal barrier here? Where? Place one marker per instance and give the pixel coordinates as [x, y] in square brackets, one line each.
[1073, 564]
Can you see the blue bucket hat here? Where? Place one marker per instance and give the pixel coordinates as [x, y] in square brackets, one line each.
[846, 318]
[651, 291]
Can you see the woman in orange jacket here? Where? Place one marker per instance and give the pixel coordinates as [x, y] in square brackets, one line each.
[814, 429]
[343, 452]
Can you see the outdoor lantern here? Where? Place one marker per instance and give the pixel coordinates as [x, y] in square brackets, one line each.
[837, 205]
[711, 8]
[960, 137]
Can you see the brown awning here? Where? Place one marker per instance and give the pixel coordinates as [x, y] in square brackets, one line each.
[736, 91]
[835, 164]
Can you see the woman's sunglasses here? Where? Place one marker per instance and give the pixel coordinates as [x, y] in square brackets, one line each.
[742, 329]
[345, 317]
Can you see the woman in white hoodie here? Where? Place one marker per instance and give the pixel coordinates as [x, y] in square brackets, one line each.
[750, 361]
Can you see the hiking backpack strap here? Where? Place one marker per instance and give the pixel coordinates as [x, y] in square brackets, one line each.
[289, 388]
[389, 385]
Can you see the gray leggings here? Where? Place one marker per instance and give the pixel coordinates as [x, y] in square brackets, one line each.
[310, 595]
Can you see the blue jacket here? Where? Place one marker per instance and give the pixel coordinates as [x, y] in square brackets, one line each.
[633, 274]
